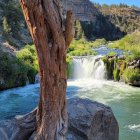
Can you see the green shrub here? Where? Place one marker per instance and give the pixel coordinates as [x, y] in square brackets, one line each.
[28, 57]
[6, 27]
[69, 67]
[130, 42]
[109, 64]
[131, 75]
[116, 74]
[12, 71]
[111, 54]
[80, 48]
[99, 42]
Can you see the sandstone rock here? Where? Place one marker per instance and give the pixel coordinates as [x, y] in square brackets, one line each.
[87, 121]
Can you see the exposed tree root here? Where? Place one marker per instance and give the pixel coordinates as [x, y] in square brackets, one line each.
[26, 125]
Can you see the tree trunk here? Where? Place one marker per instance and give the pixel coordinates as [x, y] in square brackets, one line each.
[51, 35]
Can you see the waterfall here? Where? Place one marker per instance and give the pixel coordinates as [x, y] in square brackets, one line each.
[89, 67]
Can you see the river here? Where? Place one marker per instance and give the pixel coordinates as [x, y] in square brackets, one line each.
[89, 81]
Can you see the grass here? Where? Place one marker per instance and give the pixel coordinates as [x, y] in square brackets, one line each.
[80, 48]
[131, 75]
[99, 42]
[130, 43]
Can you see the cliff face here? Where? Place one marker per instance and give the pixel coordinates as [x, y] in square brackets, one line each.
[11, 18]
[126, 18]
[107, 22]
[94, 24]
[83, 10]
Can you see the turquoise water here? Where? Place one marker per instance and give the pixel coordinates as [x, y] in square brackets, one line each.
[124, 100]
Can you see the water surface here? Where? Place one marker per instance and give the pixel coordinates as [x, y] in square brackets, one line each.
[89, 74]
[124, 100]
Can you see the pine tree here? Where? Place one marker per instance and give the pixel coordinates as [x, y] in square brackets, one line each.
[6, 27]
[78, 30]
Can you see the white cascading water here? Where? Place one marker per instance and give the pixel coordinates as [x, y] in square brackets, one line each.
[89, 67]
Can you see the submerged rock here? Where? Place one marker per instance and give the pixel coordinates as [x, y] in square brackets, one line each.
[87, 121]
[37, 78]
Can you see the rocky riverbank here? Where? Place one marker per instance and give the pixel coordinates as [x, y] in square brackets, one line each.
[87, 121]
[124, 69]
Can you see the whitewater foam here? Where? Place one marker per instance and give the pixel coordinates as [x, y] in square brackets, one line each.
[89, 67]
[134, 127]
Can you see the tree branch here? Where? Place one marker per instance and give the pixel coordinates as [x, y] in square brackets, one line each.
[69, 29]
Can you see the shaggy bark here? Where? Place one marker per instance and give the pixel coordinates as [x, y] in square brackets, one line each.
[51, 36]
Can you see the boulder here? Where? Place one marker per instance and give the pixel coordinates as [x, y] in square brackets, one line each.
[134, 64]
[88, 120]
[3, 135]
[121, 57]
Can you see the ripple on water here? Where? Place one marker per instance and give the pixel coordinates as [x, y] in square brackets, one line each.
[134, 127]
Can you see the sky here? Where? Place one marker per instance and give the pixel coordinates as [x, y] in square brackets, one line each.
[128, 2]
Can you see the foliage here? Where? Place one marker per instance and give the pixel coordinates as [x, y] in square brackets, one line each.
[13, 23]
[109, 64]
[80, 48]
[28, 57]
[131, 75]
[116, 74]
[111, 54]
[12, 12]
[129, 43]
[122, 16]
[122, 67]
[79, 33]
[12, 71]
[69, 67]
[99, 42]
[6, 27]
